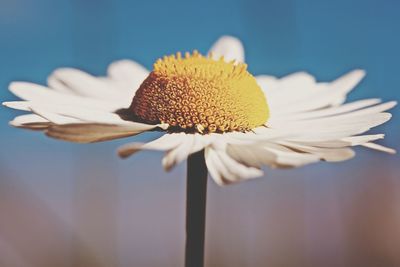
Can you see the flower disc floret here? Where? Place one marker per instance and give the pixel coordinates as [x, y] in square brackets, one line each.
[195, 93]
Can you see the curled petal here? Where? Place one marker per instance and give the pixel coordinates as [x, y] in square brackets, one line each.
[225, 170]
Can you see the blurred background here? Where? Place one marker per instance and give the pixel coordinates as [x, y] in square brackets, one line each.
[70, 205]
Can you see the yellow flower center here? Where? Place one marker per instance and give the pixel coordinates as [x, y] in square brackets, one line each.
[199, 94]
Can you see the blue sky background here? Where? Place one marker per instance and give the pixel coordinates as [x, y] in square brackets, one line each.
[325, 38]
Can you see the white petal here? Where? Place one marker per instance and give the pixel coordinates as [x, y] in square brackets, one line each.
[380, 148]
[89, 132]
[327, 122]
[346, 83]
[308, 95]
[241, 172]
[351, 110]
[164, 143]
[125, 77]
[71, 113]
[345, 142]
[371, 110]
[218, 171]
[43, 100]
[330, 129]
[179, 153]
[260, 133]
[54, 117]
[28, 118]
[178, 146]
[20, 105]
[290, 155]
[316, 131]
[301, 79]
[78, 113]
[30, 121]
[251, 155]
[269, 84]
[225, 170]
[129, 73]
[288, 158]
[201, 141]
[229, 47]
[356, 105]
[214, 166]
[287, 89]
[84, 84]
[57, 85]
[39, 94]
[328, 154]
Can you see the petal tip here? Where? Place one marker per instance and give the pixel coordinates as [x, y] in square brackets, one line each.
[122, 154]
[358, 73]
[163, 126]
[13, 123]
[228, 46]
[14, 85]
[229, 38]
[167, 166]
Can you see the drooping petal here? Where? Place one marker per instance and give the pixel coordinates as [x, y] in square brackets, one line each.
[225, 170]
[229, 47]
[214, 166]
[178, 147]
[190, 143]
[90, 133]
[288, 158]
[251, 155]
[285, 154]
[179, 153]
[164, 143]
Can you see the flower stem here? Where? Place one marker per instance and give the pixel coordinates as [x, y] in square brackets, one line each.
[196, 195]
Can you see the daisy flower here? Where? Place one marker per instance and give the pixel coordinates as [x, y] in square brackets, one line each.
[207, 102]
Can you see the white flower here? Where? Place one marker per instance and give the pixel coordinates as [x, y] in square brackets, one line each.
[207, 103]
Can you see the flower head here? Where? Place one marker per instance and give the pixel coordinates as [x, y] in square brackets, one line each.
[207, 102]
